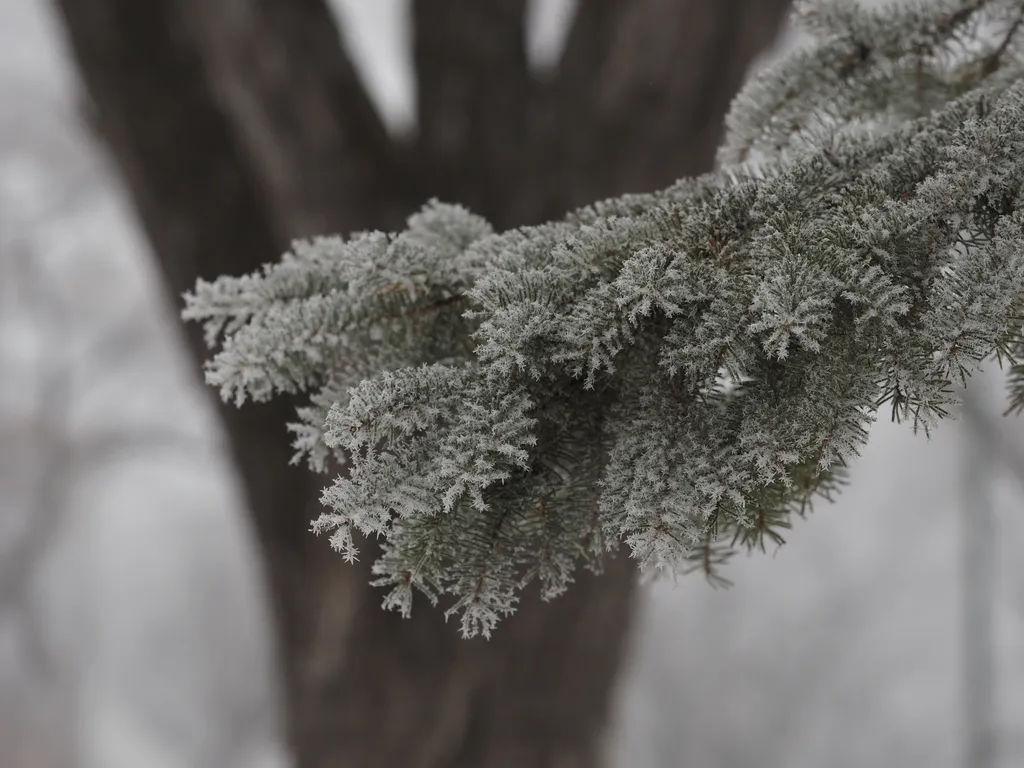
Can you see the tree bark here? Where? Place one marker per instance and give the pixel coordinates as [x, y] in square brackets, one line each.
[240, 124]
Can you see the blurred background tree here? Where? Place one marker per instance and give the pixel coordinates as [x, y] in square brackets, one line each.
[238, 125]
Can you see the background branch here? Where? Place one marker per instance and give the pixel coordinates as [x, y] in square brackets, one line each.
[643, 86]
[474, 95]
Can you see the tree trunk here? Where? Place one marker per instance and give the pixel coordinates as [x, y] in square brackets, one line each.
[240, 124]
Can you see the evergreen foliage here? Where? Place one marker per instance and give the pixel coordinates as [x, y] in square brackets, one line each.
[682, 370]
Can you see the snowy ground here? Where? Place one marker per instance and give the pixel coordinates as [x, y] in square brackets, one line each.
[842, 649]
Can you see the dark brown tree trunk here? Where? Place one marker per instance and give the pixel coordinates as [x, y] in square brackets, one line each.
[240, 124]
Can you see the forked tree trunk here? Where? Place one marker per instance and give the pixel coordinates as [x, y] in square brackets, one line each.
[240, 124]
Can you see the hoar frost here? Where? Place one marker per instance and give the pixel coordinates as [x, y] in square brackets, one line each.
[682, 371]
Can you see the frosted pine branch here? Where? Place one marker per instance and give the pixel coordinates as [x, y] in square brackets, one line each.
[683, 370]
